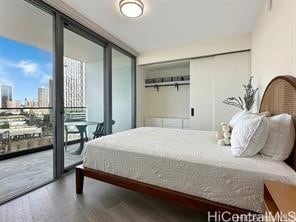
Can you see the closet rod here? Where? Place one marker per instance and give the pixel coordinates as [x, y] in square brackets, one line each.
[172, 84]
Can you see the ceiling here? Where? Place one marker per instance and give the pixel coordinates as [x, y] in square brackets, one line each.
[26, 24]
[33, 26]
[172, 23]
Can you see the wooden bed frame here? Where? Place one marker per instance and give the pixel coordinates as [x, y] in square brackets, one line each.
[279, 97]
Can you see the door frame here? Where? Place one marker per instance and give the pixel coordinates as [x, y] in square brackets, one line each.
[62, 21]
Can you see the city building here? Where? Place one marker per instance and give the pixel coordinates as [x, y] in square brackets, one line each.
[74, 81]
[43, 100]
[13, 104]
[28, 102]
[6, 95]
[35, 103]
[51, 88]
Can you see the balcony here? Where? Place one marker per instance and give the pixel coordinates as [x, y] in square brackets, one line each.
[26, 147]
[25, 129]
[31, 128]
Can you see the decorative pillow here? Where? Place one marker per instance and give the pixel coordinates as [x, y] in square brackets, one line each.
[237, 117]
[249, 135]
[281, 137]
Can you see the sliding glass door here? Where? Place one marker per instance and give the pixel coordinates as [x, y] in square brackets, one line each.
[61, 85]
[83, 94]
[122, 92]
[26, 93]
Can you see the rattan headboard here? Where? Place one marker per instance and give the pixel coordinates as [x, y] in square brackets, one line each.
[280, 97]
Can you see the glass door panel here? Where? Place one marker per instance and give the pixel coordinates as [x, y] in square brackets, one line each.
[121, 91]
[83, 94]
[26, 114]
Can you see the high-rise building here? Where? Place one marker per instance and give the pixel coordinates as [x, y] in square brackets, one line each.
[50, 92]
[43, 100]
[13, 104]
[6, 95]
[28, 102]
[74, 81]
[35, 103]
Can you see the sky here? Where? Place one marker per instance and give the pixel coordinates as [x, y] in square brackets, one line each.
[25, 67]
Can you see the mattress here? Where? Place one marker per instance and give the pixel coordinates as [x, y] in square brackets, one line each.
[187, 161]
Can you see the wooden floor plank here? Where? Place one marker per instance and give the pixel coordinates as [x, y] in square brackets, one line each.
[100, 202]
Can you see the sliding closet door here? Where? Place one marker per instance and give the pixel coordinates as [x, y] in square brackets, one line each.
[213, 79]
[231, 72]
[202, 93]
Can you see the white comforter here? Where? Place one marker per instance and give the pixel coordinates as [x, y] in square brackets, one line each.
[188, 161]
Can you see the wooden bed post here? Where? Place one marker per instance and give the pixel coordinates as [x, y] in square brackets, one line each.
[79, 180]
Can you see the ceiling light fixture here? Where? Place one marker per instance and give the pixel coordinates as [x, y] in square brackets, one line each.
[131, 8]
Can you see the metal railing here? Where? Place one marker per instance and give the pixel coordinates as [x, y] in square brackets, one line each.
[31, 128]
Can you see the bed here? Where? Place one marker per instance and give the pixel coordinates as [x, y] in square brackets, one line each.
[187, 167]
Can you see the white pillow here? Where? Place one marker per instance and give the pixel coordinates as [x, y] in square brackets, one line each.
[281, 137]
[249, 135]
[236, 117]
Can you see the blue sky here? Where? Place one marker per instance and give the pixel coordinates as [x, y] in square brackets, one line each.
[25, 67]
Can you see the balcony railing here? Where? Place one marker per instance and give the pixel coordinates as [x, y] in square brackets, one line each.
[29, 128]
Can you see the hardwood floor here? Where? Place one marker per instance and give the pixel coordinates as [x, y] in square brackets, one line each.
[100, 202]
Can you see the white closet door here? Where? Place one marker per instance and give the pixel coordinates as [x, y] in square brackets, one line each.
[202, 93]
[231, 72]
[212, 80]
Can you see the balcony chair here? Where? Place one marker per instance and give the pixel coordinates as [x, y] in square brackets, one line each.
[72, 130]
[99, 132]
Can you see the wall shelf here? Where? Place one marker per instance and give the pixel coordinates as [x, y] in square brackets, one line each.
[163, 84]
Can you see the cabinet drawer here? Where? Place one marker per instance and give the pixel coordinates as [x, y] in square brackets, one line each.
[186, 123]
[172, 123]
[153, 122]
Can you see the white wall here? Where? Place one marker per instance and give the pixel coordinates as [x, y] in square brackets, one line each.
[274, 42]
[237, 43]
[167, 102]
[140, 81]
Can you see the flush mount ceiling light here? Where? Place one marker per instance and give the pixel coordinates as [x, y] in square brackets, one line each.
[131, 8]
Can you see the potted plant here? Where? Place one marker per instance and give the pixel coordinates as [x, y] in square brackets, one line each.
[248, 100]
